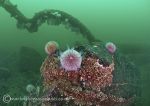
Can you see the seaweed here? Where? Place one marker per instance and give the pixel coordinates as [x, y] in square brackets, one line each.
[51, 17]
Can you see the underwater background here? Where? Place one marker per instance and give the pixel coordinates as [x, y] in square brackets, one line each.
[124, 22]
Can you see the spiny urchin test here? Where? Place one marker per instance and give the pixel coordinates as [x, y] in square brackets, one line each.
[70, 59]
[51, 47]
[111, 47]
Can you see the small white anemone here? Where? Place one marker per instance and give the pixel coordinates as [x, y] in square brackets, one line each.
[30, 88]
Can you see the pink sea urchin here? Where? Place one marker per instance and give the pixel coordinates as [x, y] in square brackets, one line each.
[51, 47]
[70, 60]
[111, 47]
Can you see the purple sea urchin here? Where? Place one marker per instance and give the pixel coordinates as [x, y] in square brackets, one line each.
[111, 47]
[70, 60]
[51, 47]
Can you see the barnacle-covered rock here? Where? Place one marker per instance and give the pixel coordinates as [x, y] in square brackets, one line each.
[96, 82]
[93, 83]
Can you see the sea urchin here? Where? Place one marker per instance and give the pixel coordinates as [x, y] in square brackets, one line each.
[111, 47]
[70, 60]
[51, 47]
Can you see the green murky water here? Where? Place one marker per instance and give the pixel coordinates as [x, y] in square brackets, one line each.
[124, 22]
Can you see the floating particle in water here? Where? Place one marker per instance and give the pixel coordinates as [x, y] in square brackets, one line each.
[51, 47]
[71, 59]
